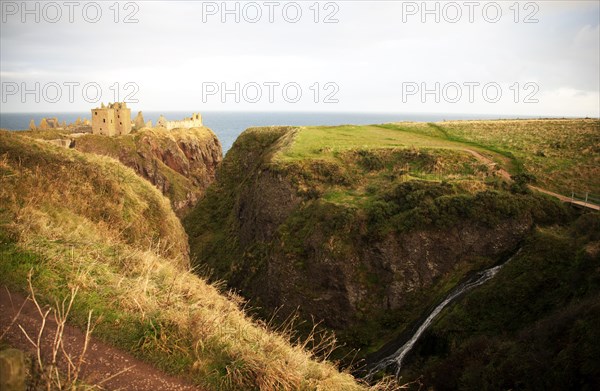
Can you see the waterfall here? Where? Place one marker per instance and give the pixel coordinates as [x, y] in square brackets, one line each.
[397, 357]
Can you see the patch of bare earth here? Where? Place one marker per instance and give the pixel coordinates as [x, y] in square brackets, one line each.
[112, 368]
[506, 176]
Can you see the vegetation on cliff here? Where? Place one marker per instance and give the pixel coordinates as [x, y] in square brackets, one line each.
[534, 327]
[562, 154]
[181, 163]
[361, 227]
[82, 220]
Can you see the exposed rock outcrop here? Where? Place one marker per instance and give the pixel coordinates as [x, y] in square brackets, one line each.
[285, 246]
[335, 273]
[179, 163]
[138, 122]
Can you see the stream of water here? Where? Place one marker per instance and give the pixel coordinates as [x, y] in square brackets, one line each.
[398, 356]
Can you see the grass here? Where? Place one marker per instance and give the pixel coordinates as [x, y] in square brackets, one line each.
[179, 161]
[296, 200]
[563, 154]
[49, 134]
[326, 142]
[348, 164]
[86, 221]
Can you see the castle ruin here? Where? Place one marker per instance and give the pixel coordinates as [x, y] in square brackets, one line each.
[195, 121]
[114, 120]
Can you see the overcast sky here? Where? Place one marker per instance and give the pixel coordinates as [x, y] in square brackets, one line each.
[532, 58]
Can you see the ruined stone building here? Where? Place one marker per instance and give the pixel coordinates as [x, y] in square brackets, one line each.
[195, 121]
[113, 120]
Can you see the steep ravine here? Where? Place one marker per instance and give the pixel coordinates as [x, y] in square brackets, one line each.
[392, 355]
[532, 327]
[79, 224]
[286, 247]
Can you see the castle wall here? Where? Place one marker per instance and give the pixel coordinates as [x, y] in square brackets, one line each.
[115, 120]
[194, 122]
[103, 121]
[122, 120]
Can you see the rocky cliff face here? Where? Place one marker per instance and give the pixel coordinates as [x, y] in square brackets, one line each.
[357, 269]
[375, 277]
[181, 163]
[322, 259]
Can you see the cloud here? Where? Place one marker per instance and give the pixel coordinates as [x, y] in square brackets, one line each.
[370, 52]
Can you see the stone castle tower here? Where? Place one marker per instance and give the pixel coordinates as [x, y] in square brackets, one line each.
[113, 120]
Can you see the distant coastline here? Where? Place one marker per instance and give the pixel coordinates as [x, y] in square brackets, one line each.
[229, 124]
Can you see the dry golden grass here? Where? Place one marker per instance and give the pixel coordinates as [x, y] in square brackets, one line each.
[564, 154]
[88, 222]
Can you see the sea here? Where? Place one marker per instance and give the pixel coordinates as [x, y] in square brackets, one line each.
[228, 125]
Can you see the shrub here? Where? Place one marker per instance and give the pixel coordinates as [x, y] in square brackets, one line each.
[369, 160]
[409, 195]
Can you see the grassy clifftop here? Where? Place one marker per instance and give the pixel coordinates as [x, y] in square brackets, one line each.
[181, 163]
[79, 220]
[563, 154]
[363, 227]
[51, 192]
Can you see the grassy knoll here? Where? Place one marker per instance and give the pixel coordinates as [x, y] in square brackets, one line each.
[179, 162]
[563, 154]
[351, 163]
[328, 141]
[82, 220]
[320, 209]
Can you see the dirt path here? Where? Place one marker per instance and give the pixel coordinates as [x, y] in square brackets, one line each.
[567, 199]
[101, 361]
[504, 174]
[489, 162]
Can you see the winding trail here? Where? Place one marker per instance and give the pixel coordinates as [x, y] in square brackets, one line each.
[563, 198]
[504, 174]
[489, 162]
[113, 368]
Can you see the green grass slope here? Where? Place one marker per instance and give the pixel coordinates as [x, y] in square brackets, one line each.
[86, 221]
[563, 154]
[318, 216]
